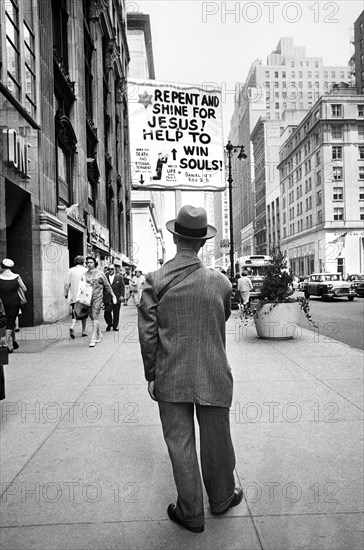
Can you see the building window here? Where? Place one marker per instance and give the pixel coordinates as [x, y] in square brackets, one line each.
[319, 216]
[361, 213]
[336, 110]
[336, 131]
[361, 151]
[338, 214]
[12, 47]
[337, 152]
[361, 132]
[361, 193]
[88, 53]
[337, 194]
[361, 110]
[337, 173]
[308, 203]
[361, 172]
[29, 59]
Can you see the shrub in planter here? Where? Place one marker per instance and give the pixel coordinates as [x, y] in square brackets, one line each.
[278, 289]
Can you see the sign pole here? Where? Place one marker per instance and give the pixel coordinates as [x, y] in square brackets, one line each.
[178, 201]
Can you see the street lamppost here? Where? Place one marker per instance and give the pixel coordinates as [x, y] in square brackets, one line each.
[230, 150]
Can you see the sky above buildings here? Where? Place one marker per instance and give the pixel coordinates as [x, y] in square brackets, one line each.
[201, 42]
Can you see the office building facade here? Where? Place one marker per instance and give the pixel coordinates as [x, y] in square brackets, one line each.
[64, 163]
[290, 80]
[322, 186]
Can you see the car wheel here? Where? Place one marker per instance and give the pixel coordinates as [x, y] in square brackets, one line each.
[323, 296]
[350, 298]
[307, 296]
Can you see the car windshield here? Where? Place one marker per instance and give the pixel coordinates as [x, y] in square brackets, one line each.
[334, 277]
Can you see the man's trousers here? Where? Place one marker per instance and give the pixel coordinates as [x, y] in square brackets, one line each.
[216, 454]
[111, 315]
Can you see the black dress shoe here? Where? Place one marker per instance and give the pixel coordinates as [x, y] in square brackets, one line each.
[173, 515]
[15, 345]
[116, 329]
[108, 328]
[237, 498]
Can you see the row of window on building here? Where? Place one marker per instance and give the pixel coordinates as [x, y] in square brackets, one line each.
[335, 75]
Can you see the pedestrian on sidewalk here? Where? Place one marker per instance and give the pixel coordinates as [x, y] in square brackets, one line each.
[70, 292]
[137, 284]
[181, 321]
[244, 288]
[12, 289]
[3, 342]
[126, 278]
[100, 285]
[112, 311]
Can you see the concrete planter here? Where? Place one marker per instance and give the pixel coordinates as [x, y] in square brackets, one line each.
[279, 322]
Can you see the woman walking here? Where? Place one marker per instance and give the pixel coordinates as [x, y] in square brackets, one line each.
[10, 286]
[2, 338]
[99, 284]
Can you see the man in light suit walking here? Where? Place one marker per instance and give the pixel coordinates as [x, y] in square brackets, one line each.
[181, 319]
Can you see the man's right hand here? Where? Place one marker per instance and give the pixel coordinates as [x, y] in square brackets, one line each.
[151, 390]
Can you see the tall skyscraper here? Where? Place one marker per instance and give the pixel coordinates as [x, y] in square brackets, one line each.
[290, 80]
[358, 57]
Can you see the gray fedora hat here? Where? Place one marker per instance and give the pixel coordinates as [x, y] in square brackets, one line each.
[191, 223]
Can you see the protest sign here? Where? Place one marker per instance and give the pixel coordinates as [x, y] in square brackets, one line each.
[176, 137]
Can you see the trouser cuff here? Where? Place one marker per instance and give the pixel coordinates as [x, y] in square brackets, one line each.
[218, 508]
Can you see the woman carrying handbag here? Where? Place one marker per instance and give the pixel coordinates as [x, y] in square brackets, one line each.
[3, 351]
[99, 284]
[12, 295]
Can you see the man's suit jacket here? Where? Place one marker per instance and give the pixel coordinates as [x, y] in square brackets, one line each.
[117, 286]
[182, 336]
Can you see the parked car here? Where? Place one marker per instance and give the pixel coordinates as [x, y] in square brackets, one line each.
[328, 286]
[357, 280]
[301, 282]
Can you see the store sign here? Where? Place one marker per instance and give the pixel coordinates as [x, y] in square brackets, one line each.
[224, 245]
[16, 152]
[98, 233]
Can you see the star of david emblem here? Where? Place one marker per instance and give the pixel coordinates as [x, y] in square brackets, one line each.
[145, 99]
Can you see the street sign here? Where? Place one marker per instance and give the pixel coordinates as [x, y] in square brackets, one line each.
[224, 243]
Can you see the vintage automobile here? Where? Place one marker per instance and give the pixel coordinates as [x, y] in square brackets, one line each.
[328, 286]
[301, 282]
[357, 280]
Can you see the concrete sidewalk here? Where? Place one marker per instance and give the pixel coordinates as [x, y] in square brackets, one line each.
[84, 464]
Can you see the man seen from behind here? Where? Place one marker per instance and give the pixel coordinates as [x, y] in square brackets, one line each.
[181, 318]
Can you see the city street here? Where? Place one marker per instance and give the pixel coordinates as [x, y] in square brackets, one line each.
[339, 319]
[84, 464]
